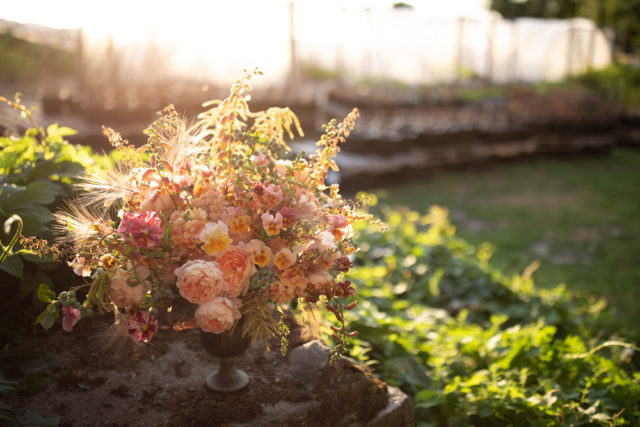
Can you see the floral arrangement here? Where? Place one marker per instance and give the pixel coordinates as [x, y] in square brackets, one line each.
[219, 213]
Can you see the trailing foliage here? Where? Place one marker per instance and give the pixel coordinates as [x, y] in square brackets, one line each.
[473, 346]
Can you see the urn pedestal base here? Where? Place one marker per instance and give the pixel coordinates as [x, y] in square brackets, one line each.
[227, 377]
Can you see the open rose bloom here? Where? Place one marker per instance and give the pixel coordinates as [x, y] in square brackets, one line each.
[218, 214]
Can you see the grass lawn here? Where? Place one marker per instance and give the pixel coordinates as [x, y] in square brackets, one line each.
[580, 217]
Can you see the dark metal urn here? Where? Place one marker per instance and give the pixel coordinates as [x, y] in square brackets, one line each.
[226, 346]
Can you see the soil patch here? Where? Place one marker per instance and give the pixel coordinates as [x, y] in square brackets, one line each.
[162, 383]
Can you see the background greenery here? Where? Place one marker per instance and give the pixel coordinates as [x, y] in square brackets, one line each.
[623, 16]
[475, 346]
[577, 216]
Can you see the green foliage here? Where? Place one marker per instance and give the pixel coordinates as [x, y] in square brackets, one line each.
[473, 346]
[36, 173]
[23, 62]
[621, 15]
[618, 82]
[535, 209]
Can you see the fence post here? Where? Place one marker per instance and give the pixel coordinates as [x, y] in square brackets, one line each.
[457, 63]
[293, 66]
[490, 49]
[570, 37]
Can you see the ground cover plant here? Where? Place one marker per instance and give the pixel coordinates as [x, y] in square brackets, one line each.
[577, 216]
[475, 346]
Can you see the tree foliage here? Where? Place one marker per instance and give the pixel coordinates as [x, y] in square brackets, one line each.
[623, 16]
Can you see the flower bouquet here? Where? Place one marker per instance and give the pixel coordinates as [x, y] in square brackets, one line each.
[219, 213]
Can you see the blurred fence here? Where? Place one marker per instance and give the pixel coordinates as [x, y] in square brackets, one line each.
[414, 48]
[214, 41]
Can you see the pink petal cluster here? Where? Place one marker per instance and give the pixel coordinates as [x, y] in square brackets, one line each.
[70, 318]
[143, 230]
[142, 325]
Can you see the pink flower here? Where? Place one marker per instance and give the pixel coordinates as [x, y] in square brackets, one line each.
[272, 225]
[237, 268]
[128, 287]
[143, 230]
[282, 167]
[272, 196]
[306, 205]
[217, 316]
[288, 217]
[199, 281]
[71, 317]
[295, 279]
[142, 326]
[340, 227]
[319, 277]
[323, 241]
[156, 201]
[282, 292]
[79, 267]
[260, 160]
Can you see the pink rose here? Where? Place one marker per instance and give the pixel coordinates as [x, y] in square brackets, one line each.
[199, 281]
[71, 317]
[143, 230]
[128, 287]
[142, 326]
[217, 316]
[237, 268]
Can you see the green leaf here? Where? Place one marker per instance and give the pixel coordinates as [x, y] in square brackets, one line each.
[46, 319]
[38, 192]
[45, 294]
[56, 133]
[13, 265]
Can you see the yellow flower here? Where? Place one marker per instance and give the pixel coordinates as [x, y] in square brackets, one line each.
[284, 258]
[260, 253]
[240, 224]
[215, 238]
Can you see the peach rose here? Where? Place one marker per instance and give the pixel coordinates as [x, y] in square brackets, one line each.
[217, 316]
[237, 268]
[122, 293]
[199, 281]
